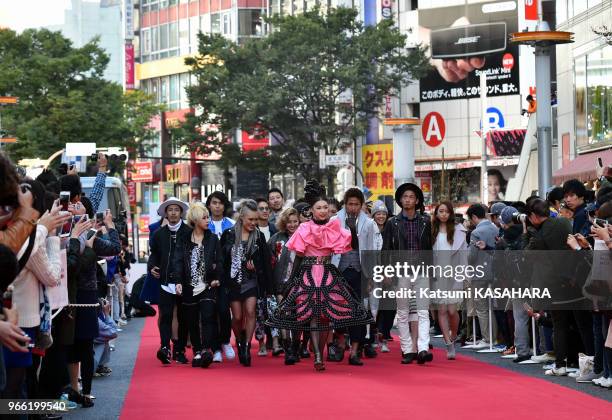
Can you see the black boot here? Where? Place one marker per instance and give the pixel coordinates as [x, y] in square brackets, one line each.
[295, 348]
[247, 355]
[289, 356]
[241, 344]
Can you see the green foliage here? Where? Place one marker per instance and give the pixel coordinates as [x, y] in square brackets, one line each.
[63, 98]
[295, 84]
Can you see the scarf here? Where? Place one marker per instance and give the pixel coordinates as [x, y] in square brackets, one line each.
[175, 228]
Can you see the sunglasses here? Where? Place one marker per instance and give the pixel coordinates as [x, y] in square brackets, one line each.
[263, 208]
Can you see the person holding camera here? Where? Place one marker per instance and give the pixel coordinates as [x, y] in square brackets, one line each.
[92, 248]
[200, 281]
[165, 265]
[512, 242]
[482, 239]
[551, 234]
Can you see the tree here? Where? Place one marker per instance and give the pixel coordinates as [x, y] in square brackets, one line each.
[312, 83]
[63, 97]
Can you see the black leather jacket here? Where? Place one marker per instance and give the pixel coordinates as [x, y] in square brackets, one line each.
[164, 255]
[211, 260]
[394, 232]
[260, 256]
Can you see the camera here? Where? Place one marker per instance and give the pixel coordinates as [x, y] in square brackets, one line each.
[519, 218]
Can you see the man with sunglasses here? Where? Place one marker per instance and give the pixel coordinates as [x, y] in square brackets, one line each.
[263, 223]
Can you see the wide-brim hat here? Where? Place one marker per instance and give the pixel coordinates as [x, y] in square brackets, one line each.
[161, 211]
[409, 186]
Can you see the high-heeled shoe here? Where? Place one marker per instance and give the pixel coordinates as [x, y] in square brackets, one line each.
[247, 355]
[318, 362]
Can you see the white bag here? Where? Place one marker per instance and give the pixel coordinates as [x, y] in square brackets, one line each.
[58, 295]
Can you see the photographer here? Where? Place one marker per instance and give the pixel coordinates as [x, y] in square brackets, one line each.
[551, 235]
[512, 242]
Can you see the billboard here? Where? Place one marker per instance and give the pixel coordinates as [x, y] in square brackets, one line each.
[465, 40]
[129, 66]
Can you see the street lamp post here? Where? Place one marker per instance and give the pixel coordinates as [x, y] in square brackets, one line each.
[543, 40]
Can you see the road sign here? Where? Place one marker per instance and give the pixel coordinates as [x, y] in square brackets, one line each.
[336, 160]
[433, 129]
[8, 100]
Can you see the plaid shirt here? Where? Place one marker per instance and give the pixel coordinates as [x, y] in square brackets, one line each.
[97, 191]
[411, 226]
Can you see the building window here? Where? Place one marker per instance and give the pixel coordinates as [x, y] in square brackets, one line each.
[250, 22]
[174, 92]
[594, 98]
[227, 24]
[173, 36]
[215, 23]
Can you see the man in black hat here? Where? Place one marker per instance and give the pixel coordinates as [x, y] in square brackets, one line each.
[164, 264]
[409, 231]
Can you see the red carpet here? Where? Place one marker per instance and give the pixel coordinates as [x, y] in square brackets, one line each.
[383, 388]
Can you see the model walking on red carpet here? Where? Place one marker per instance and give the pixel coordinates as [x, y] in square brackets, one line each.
[245, 261]
[319, 298]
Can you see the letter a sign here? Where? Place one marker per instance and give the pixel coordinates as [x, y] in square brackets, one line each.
[433, 129]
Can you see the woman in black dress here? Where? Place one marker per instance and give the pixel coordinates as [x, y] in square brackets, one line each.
[245, 261]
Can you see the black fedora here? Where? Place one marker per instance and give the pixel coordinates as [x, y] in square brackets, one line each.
[409, 186]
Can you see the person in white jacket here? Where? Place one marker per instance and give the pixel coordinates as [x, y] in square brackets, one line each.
[363, 231]
[43, 266]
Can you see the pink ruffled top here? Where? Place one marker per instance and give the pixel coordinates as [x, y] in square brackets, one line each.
[315, 240]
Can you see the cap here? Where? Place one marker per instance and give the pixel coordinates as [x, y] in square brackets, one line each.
[497, 208]
[506, 214]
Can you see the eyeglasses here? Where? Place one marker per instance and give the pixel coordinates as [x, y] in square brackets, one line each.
[263, 208]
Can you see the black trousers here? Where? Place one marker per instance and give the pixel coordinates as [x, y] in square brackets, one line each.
[202, 311]
[562, 323]
[83, 351]
[384, 321]
[224, 315]
[353, 278]
[167, 302]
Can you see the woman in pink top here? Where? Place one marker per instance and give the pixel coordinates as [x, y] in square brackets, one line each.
[318, 298]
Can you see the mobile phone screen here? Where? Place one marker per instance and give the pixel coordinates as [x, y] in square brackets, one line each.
[67, 228]
[65, 199]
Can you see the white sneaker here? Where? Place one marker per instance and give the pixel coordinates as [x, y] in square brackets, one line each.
[543, 358]
[597, 381]
[217, 357]
[384, 348]
[228, 351]
[574, 375]
[588, 377]
[562, 371]
[606, 383]
[481, 345]
[548, 366]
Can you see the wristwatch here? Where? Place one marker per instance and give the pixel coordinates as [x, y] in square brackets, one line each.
[578, 248]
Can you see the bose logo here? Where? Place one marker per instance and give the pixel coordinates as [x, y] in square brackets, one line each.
[467, 40]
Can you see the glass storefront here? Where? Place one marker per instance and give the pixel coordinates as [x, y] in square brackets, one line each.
[593, 100]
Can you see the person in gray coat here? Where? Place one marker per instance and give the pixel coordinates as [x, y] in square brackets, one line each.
[482, 239]
[363, 232]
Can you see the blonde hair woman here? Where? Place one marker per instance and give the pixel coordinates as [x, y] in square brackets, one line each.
[282, 265]
[200, 281]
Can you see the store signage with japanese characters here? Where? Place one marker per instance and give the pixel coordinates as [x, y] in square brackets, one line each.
[378, 168]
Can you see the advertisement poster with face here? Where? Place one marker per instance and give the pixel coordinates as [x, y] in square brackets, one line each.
[465, 39]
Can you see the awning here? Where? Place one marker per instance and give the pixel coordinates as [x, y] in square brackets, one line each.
[583, 167]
